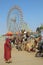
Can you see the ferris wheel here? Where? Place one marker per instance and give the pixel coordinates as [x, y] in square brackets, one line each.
[15, 20]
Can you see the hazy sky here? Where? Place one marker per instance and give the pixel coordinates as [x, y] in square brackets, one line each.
[32, 12]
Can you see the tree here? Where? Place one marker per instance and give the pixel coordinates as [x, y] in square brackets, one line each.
[41, 27]
[38, 30]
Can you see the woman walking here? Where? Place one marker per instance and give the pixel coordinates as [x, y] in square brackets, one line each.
[7, 50]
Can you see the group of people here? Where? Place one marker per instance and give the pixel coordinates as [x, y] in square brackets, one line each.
[21, 42]
[17, 41]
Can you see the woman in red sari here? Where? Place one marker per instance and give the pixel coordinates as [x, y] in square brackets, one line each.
[7, 50]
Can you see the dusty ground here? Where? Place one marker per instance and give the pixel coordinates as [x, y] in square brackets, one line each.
[19, 57]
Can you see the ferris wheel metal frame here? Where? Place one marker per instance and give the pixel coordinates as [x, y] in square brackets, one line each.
[10, 11]
[22, 23]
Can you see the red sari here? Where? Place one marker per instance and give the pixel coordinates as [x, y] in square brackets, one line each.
[7, 50]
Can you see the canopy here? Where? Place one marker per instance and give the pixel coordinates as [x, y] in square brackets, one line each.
[8, 34]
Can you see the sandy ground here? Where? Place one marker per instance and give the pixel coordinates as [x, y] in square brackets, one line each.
[19, 57]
